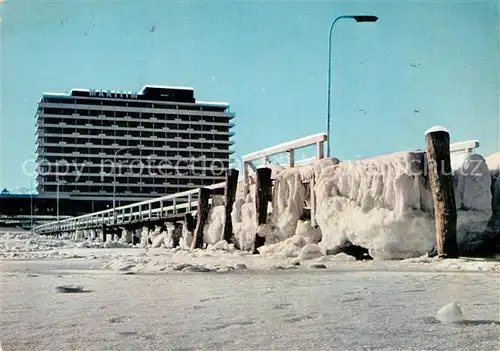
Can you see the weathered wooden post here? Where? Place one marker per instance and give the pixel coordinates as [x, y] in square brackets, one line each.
[441, 179]
[202, 215]
[246, 179]
[291, 158]
[262, 195]
[319, 150]
[229, 197]
[104, 233]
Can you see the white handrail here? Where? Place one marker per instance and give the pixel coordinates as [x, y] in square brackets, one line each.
[108, 216]
[467, 146]
[287, 146]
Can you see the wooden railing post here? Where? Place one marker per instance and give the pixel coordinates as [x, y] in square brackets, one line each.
[245, 179]
[441, 180]
[262, 192]
[291, 158]
[319, 150]
[229, 197]
[202, 216]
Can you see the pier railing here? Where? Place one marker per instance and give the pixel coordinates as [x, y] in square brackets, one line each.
[158, 208]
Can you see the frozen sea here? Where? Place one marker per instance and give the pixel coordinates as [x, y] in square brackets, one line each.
[277, 309]
[143, 299]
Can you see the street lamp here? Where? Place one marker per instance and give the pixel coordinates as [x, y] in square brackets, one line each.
[357, 18]
[114, 174]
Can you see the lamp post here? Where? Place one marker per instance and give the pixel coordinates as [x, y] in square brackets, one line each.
[357, 18]
[114, 175]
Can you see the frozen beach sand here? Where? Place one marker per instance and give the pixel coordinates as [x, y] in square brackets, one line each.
[113, 256]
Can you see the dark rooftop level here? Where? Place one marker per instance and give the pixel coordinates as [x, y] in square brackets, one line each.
[148, 94]
[154, 93]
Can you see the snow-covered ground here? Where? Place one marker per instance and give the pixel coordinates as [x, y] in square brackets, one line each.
[170, 299]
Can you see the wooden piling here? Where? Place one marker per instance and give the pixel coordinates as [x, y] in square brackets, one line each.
[104, 233]
[441, 179]
[202, 216]
[190, 222]
[262, 196]
[229, 197]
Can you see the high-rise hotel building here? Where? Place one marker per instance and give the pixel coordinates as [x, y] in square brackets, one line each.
[160, 141]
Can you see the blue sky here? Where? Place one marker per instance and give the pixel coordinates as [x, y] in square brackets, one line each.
[421, 64]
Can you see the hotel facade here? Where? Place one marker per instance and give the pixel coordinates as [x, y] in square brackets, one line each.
[94, 144]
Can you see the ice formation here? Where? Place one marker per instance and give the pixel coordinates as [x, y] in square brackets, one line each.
[310, 234]
[286, 210]
[186, 238]
[287, 204]
[290, 247]
[126, 237]
[244, 222]
[473, 184]
[144, 237]
[381, 204]
[305, 235]
[213, 230]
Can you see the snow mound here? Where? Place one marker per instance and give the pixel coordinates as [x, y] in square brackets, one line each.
[310, 251]
[290, 247]
[221, 245]
[450, 313]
